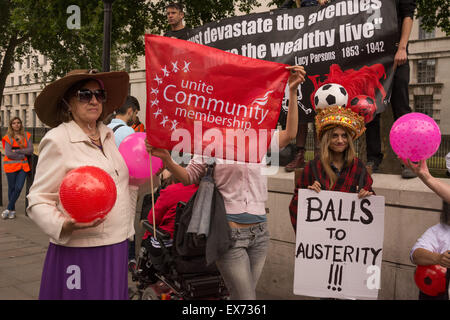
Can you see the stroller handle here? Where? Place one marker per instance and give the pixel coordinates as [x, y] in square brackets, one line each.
[159, 233]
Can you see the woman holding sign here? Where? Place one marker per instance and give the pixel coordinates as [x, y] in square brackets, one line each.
[337, 168]
[244, 191]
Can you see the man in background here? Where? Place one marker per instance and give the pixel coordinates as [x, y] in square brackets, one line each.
[125, 116]
[400, 96]
[175, 16]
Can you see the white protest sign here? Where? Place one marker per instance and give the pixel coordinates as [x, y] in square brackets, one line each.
[339, 245]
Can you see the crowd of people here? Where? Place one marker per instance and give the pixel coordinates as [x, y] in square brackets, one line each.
[91, 113]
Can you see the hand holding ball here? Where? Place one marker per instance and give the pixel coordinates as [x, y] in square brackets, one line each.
[87, 193]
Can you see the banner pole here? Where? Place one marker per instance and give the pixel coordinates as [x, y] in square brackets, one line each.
[153, 197]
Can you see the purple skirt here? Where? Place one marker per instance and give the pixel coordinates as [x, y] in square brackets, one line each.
[93, 273]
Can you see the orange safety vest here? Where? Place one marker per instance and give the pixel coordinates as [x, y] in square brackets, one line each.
[139, 127]
[10, 165]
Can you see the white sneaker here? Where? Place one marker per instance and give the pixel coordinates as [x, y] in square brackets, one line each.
[5, 214]
[12, 214]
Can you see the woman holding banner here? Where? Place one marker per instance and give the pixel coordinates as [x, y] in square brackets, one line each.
[336, 168]
[244, 190]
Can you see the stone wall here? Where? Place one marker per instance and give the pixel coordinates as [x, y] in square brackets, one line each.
[411, 208]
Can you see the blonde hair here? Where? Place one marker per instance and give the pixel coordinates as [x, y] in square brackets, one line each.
[325, 158]
[10, 132]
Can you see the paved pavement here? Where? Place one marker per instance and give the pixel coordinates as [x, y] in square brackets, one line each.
[22, 253]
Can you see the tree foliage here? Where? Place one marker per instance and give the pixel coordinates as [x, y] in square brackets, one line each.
[434, 14]
[199, 12]
[42, 25]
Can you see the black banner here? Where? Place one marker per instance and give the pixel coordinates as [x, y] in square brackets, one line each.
[350, 42]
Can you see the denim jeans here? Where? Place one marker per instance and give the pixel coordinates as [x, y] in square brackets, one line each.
[16, 180]
[242, 265]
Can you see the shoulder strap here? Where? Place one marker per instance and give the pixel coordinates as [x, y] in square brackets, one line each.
[210, 169]
[117, 127]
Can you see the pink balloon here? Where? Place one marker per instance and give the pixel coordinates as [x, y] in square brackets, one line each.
[415, 136]
[133, 151]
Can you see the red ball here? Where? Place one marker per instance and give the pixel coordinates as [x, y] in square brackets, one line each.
[364, 106]
[431, 279]
[87, 193]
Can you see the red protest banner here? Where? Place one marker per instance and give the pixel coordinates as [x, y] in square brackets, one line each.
[205, 101]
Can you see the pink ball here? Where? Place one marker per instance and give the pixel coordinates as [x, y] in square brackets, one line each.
[415, 136]
[133, 151]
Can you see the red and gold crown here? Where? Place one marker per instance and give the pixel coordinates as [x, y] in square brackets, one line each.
[333, 116]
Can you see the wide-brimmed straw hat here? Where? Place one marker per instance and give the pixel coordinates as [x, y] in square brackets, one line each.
[115, 84]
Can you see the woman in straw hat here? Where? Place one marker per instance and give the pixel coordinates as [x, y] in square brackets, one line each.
[336, 168]
[84, 260]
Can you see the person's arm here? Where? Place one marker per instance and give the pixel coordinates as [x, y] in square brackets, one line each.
[28, 150]
[421, 170]
[296, 77]
[401, 55]
[178, 171]
[425, 257]
[303, 182]
[406, 10]
[13, 154]
[44, 194]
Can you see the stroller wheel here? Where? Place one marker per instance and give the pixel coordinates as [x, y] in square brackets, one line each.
[150, 294]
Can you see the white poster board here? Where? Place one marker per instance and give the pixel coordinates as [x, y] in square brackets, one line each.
[339, 245]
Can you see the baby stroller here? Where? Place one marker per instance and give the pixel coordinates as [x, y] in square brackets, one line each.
[170, 276]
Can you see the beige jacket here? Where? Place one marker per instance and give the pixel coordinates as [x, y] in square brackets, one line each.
[62, 149]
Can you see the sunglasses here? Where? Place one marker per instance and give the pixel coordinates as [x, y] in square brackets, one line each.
[85, 95]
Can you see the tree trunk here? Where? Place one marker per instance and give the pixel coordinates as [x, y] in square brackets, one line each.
[7, 63]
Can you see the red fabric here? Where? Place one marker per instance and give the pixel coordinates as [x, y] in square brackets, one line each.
[166, 204]
[190, 84]
[364, 81]
[347, 181]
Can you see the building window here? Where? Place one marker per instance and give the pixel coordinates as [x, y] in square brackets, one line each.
[20, 80]
[426, 70]
[423, 35]
[24, 117]
[25, 99]
[12, 81]
[424, 104]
